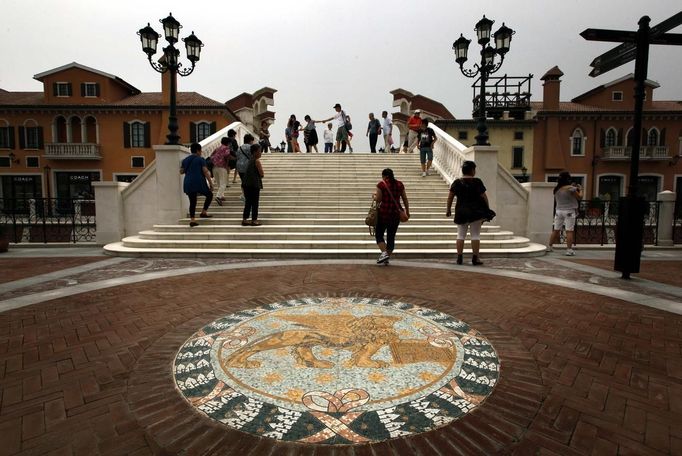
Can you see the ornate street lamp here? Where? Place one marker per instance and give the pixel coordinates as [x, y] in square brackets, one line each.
[487, 66]
[169, 62]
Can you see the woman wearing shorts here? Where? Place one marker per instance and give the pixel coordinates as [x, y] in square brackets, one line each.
[567, 198]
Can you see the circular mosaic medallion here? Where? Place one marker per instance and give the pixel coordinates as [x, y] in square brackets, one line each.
[336, 370]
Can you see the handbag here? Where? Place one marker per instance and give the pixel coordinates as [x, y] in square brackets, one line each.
[372, 217]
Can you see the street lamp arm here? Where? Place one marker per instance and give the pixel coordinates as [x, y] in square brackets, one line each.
[160, 68]
[470, 73]
[497, 66]
[185, 71]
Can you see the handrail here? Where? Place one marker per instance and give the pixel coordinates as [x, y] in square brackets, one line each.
[448, 155]
[211, 143]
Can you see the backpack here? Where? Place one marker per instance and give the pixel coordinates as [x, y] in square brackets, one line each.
[243, 159]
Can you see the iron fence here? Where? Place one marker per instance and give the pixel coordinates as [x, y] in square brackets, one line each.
[677, 223]
[596, 223]
[43, 220]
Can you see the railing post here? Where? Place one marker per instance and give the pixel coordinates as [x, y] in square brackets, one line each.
[109, 212]
[170, 198]
[666, 216]
[540, 211]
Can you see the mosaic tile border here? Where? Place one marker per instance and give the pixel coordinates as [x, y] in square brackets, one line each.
[342, 415]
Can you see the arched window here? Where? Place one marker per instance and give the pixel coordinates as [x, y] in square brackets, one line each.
[577, 142]
[60, 130]
[652, 137]
[611, 137]
[76, 129]
[628, 137]
[31, 135]
[90, 130]
[203, 131]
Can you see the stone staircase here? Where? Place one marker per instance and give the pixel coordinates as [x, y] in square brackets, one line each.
[313, 206]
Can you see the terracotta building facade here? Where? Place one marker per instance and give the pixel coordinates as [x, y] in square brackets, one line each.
[591, 136]
[87, 125]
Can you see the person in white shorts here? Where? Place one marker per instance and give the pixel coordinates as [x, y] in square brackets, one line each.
[567, 196]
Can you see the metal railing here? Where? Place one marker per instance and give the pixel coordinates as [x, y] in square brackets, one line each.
[596, 223]
[44, 220]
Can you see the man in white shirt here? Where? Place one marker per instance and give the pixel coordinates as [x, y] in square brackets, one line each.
[341, 132]
[328, 139]
[387, 131]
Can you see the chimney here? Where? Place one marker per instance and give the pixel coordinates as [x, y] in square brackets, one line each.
[551, 89]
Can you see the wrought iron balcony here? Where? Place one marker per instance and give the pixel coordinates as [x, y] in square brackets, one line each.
[73, 151]
[645, 153]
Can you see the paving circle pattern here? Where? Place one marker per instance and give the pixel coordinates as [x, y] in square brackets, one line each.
[336, 370]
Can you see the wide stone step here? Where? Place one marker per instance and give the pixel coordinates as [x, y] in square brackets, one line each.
[357, 227]
[369, 243]
[248, 233]
[119, 249]
[328, 219]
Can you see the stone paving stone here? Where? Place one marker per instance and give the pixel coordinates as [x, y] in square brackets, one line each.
[668, 272]
[581, 373]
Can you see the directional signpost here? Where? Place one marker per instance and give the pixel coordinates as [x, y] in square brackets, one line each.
[635, 46]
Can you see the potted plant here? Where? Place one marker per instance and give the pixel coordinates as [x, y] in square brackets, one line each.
[4, 239]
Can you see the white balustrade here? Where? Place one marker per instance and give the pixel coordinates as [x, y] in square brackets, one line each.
[448, 155]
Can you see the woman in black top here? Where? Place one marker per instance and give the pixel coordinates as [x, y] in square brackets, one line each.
[252, 183]
[470, 210]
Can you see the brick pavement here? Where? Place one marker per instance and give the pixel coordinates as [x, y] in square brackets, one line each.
[668, 272]
[581, 373]
[21, 268]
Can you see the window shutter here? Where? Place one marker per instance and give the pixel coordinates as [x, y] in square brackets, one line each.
[602, 138]
[661, 139]
[82, 89]
[54, 89]
[126, 135]
[213, 127]
[68, 89]
[147, 136]
[22, 138]
[41, 142]
[10, 133]
[192, 132]
[97, 89]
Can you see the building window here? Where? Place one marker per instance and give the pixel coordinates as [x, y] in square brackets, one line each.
[137, 162]
[125, 177]
[463, 135]
[611, 137]
[577, 142]
[90, 89]
[617, 96]
[517, 157]
[32, 137]
[518, 135]
[136, 134]
[62, 89]
[32, 162]
[203, 131]
[652, 137]
[5, 162]
[6, 138]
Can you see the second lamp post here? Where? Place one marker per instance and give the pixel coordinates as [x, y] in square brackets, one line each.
[193, 45]
[487, 66]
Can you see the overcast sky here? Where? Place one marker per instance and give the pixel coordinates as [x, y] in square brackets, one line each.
[318, 52]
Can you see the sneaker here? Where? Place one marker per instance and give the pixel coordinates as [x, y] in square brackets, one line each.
[460, 259]
[428, 173]
[219, 201]
[383, 258]
[570, 252]
[424, 174]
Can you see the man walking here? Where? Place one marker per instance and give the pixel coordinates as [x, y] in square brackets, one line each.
[388, 131]
[427, 137]
[414, 124]
[373, 129]
[341, 132]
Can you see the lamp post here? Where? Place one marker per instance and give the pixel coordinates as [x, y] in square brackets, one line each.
[193, 45]
[487, 66]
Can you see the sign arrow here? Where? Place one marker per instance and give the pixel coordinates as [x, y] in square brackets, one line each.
[615, 61]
